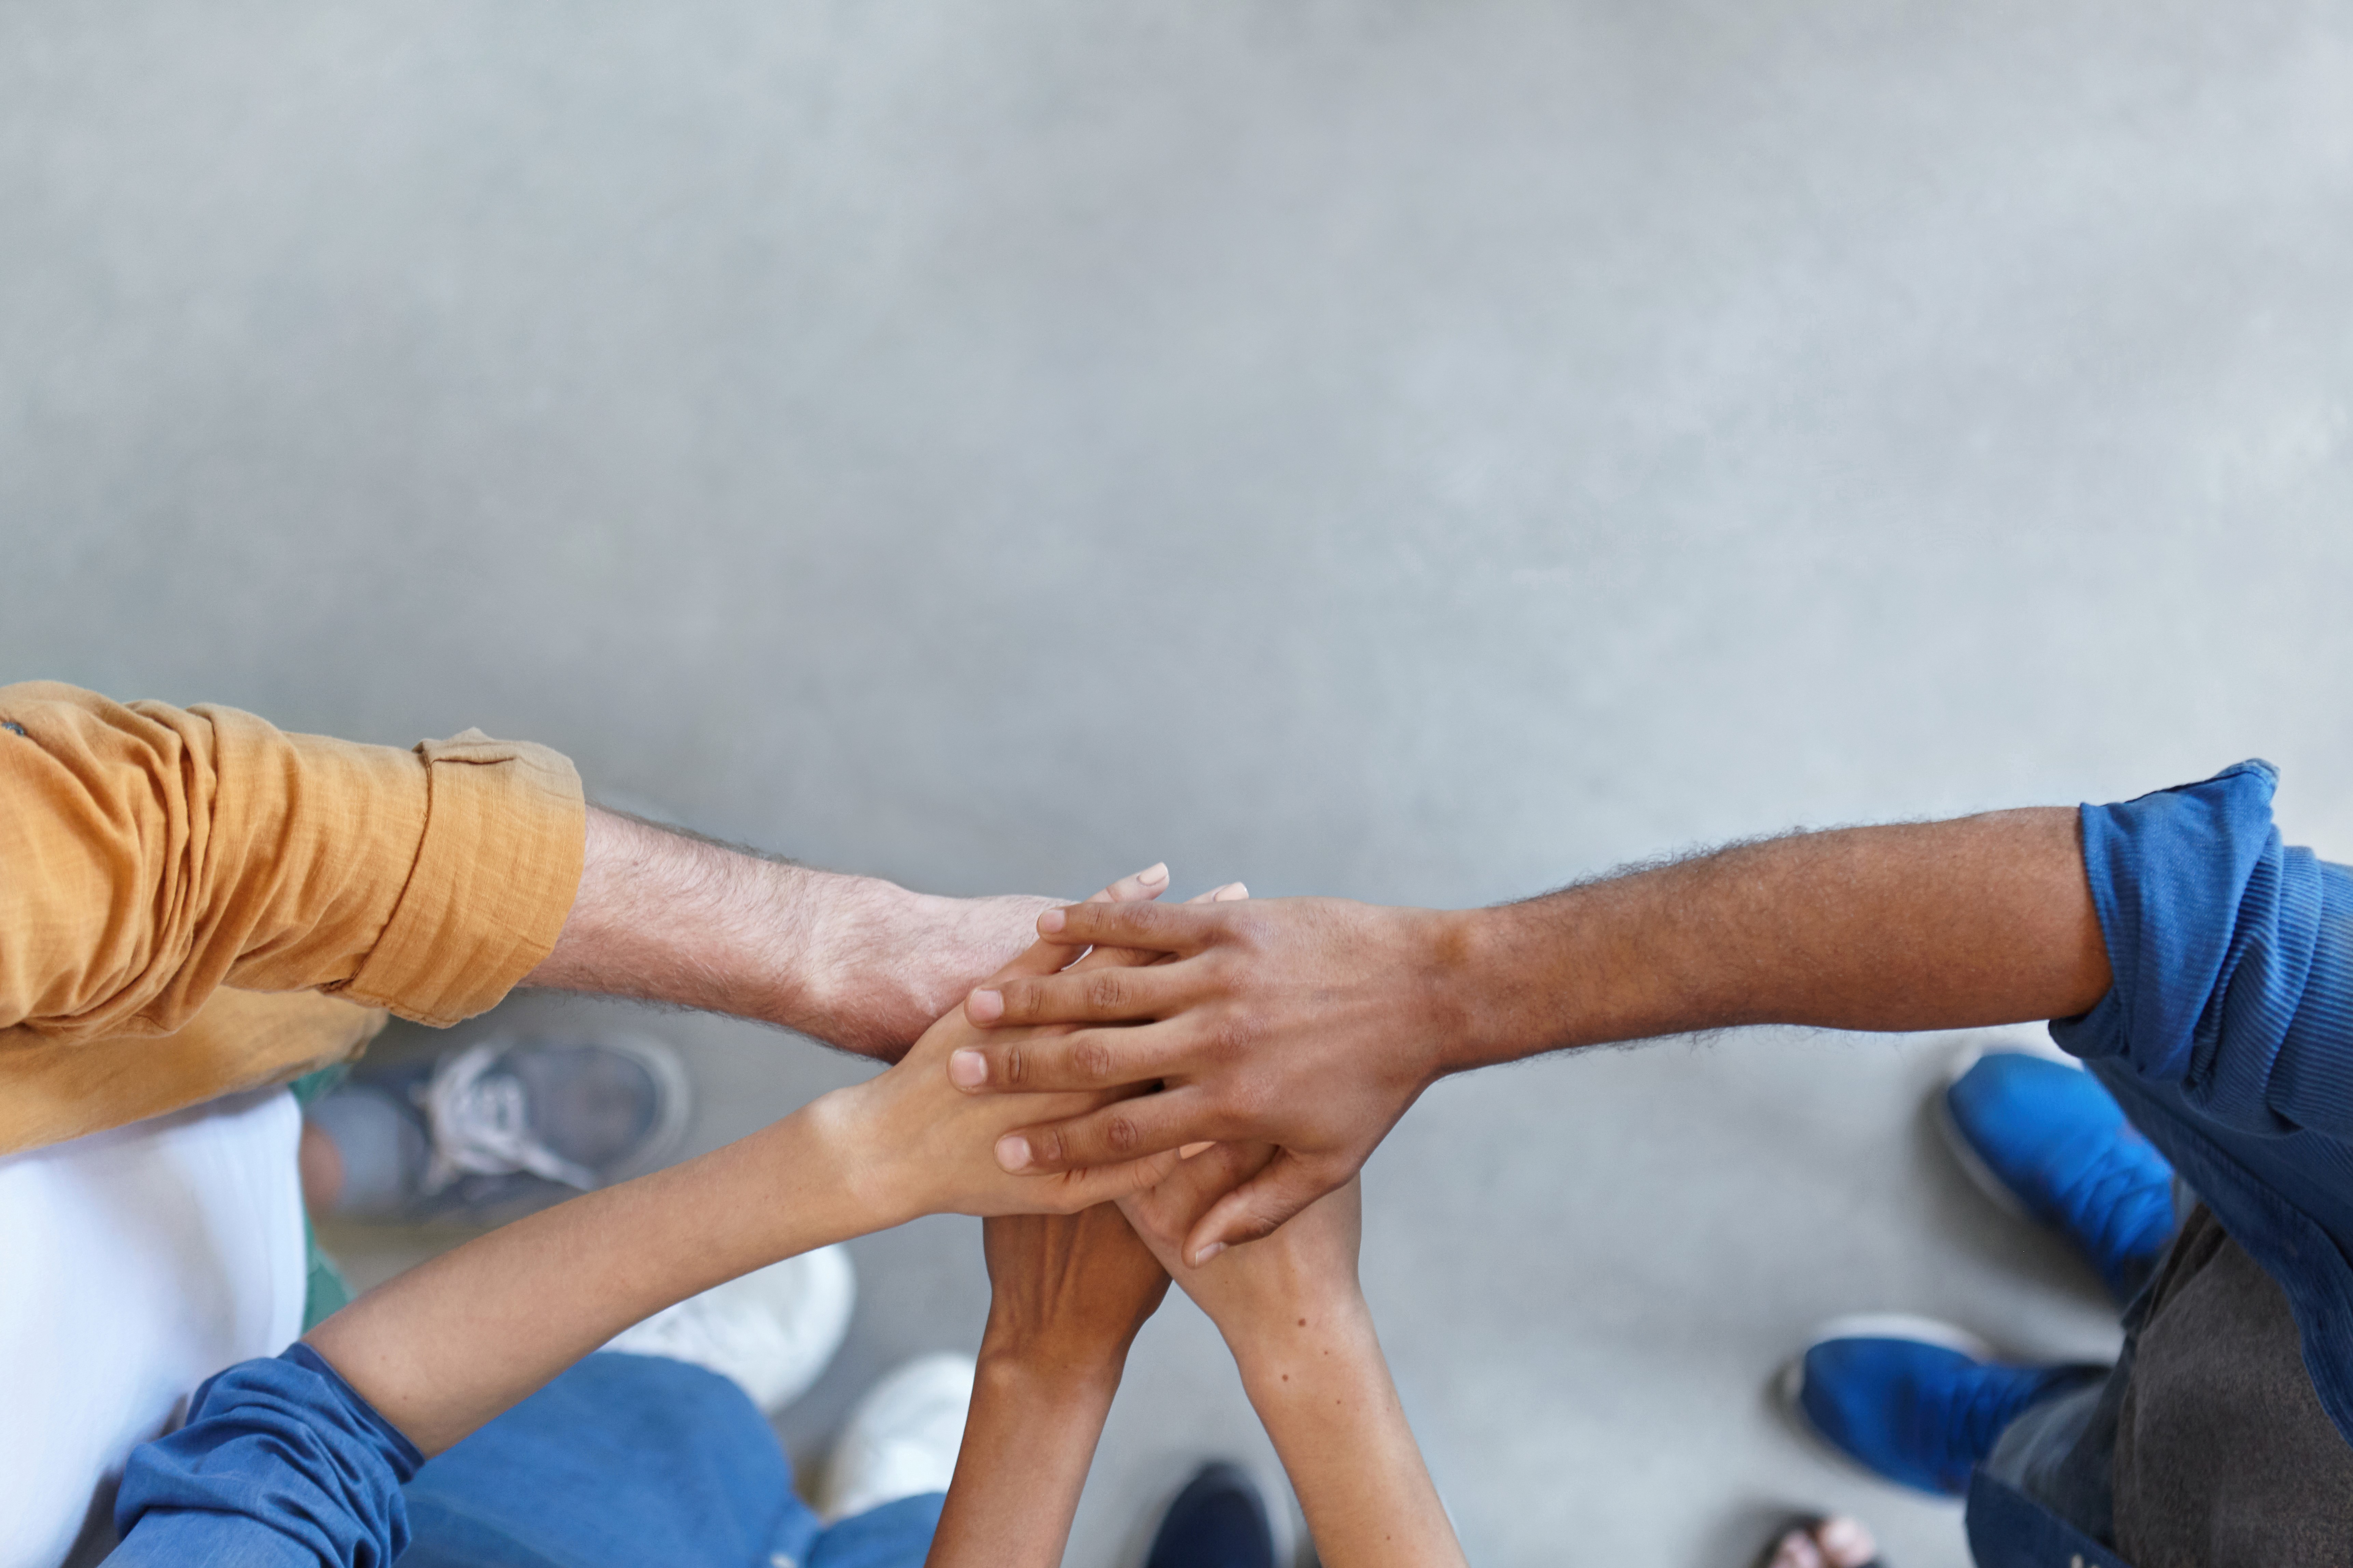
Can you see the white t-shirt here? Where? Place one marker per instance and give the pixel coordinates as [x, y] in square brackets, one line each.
[133, 1265]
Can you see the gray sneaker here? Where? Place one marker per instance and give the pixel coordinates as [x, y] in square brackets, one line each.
[486, 1134]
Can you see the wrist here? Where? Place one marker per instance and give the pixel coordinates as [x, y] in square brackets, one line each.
[868, 1184]
[1306, 1348]
[1035, 1375]
[1461, 962]
[843, 959]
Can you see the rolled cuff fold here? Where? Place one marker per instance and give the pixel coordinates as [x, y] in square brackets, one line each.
[495, 875]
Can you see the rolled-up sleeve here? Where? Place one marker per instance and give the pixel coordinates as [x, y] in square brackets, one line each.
[151, 855]
[280, 1462]
[2233, 956]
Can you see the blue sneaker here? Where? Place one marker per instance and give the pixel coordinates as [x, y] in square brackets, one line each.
[2046, 1141]
[1912, 1400]
[1220, 1521]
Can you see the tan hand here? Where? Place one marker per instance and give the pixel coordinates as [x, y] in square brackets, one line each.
[1309, 1024]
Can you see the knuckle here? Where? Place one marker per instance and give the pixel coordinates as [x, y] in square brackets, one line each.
[1015, 1066]
[1092, 1058]
[1045, 1146]
[1232, 1035]
[1248, 1102]
[1242, 1107]
[1104, 990]
[1120, 1134]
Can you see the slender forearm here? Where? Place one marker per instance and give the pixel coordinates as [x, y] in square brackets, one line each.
[1986, 920]
[445, 1347]
[1324, 1392]
[854, 961]
[1028, 1442]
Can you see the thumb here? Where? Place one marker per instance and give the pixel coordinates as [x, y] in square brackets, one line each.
[1260, 1206]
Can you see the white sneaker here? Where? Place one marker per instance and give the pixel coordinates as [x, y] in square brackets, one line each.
[902, 1440]
[773, 1331]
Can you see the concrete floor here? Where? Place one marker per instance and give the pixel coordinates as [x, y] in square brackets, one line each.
[1422, 451]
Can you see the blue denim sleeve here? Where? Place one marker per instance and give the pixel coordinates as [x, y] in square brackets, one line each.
[280, 1463]
[2233, 956]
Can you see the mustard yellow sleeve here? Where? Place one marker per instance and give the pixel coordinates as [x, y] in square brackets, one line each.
[151, 855]
[53, 1090]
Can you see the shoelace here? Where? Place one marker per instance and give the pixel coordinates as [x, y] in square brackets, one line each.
[2122, 1207]
[482, 1126]
[1958, 1432]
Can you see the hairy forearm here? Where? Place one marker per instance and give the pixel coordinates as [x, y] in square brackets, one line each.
[1322, 1388]
[447, 1345]
[1028, 1442]
[854, 961]
[1986, 920]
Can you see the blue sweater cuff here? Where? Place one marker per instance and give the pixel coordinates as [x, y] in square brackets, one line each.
[281, 1460]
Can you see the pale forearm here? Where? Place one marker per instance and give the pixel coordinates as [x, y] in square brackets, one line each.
[1028, 1443]
[1986, 920]
[854, 961]
[450, 1345]
[1323, 1390]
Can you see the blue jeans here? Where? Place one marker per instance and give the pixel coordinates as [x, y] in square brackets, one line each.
[2045, 1453]
[627, 1460]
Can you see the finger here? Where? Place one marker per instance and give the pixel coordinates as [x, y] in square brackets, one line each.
[1126, 1130]
[1135, 958]
[1233, 892]
[1177, 930]
[1256, 1208]
[1109, 1183]
[1141, 887]
[1084, 994]
[1164, 1214]
[1032, 1062]
[1045, 957]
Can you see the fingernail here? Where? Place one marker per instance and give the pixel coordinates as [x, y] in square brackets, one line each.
[1152, 875]
[1189, 1149]
[984, 1007]
[1049, 922]
[1229, 892]
[1013, 1151]
[1201, 1258]
[967, 1069]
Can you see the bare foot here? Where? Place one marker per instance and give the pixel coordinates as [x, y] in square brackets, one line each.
[1833, 1543]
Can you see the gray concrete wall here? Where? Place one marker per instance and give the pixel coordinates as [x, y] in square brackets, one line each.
[1418, 451]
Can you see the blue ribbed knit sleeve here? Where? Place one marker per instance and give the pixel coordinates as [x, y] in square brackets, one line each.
[280, 1463]
[2233, 956]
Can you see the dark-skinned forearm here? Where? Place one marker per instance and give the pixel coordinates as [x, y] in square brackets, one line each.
[1028, 1441]
[1986, 919]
